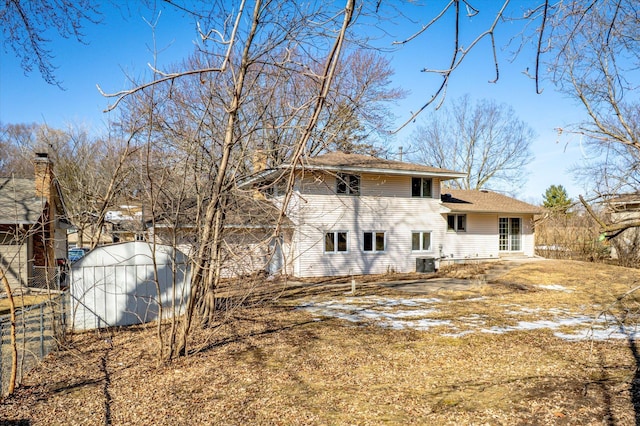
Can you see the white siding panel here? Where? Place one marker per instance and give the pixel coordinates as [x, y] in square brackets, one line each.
[398, 217]
[479, 241]
[60, 243]
[528, 236]
[370, 185]
[14, 260]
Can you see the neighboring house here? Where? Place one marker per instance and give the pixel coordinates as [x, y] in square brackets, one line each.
[355, 214]
[33, 227]
[620, 209]
[127, 223]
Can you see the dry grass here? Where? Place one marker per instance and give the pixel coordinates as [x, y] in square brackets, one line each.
[274, 364]
[20, 301]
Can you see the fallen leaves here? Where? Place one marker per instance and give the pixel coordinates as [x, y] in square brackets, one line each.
[276, 365]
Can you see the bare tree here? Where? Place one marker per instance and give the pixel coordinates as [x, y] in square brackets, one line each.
[485, 140]
[94, 173]
[239, 69]
[597, 65]
[12, 321]
[589, 50]
[25, 26]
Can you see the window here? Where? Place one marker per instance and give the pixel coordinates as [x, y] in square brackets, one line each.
[276, 189]
[374, 241]
[457, 222]
[335, 242]
[421, 187]
[347, 184]
[421, 241]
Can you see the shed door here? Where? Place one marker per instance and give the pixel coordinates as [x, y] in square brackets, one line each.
[510, 234]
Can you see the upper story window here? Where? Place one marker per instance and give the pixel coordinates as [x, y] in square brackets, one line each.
[276, 189]
[347, 184]
[421, 187]
[457, 222]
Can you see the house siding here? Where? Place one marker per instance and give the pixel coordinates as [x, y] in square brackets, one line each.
[385, 204]
[14, 259]
[528, 235]
[373, 185]
[479, 241]
[629, 237]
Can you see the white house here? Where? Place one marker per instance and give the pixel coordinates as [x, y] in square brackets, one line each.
[625, 209]
[355, 214]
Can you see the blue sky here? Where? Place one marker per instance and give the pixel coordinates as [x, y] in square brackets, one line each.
[122, 45]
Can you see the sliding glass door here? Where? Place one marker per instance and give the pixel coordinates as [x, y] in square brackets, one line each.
[510, 231]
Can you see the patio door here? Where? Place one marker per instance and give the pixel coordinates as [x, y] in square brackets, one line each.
[510, 234]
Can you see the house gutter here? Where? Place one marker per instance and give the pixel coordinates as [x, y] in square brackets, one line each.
[19, 222]
[445, 209]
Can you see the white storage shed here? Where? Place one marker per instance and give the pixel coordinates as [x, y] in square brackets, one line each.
[118, 285]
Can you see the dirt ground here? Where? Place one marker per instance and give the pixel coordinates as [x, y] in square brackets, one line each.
[278, 363]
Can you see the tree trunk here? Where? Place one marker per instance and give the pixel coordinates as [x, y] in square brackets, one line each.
[14, 345]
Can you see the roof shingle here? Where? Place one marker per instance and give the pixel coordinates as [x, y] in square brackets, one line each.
[18, 201]
[365, 163]
[474, 201]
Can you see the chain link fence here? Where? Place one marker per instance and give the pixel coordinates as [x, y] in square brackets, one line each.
[40, 329]
[47, 278]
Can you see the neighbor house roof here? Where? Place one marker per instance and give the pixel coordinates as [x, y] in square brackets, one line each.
[474, 201]
[18, 201]
[624, 202]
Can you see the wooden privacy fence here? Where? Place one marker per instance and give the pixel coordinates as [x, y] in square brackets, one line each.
[39, 330]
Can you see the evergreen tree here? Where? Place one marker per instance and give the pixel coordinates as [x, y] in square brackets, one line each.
[556, 199]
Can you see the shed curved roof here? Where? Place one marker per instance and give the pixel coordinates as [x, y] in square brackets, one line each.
[130, 253]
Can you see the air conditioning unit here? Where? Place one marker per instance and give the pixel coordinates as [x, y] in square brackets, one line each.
[425, 264]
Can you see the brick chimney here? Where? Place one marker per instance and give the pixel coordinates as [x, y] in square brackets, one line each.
[259, 160]
[43, 175]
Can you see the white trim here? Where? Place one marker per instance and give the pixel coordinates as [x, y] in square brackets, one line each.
[422, 249]
[373, 241]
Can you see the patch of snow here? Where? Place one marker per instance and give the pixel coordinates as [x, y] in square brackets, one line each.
[399, 314]
[460, 334]
[472, 299]
[421, 324]
[556, 287]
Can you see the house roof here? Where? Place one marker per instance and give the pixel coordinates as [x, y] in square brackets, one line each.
[18, 201]
[253, 212]
[340, 161]
[624, 202]
[353, 163]
[474, 201]
[243, 210]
